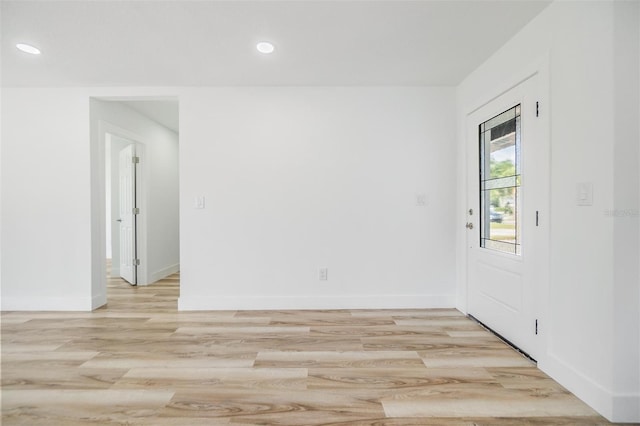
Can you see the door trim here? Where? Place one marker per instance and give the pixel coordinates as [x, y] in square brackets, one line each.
[540, 68]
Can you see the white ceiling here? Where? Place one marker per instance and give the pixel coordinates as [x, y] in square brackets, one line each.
[193, 43]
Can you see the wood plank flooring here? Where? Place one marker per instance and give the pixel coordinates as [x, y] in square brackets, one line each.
[138, 361]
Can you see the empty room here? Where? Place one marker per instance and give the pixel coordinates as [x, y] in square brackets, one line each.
[320, 212]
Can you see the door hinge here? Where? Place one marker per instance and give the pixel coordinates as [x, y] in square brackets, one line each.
[537, 109]
[537, 218]
[136, 262]
[135, 160]
[135, 210]
[536, 327]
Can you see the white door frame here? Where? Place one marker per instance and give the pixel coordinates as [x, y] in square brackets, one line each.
[540, 68]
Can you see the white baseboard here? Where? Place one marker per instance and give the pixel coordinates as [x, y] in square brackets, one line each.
[163, 273]
[617, 408]
[98, 301]
[47, 304]
[626, 408]
[386, 301]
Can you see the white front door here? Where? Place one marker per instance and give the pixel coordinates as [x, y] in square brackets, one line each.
[506, 192]
[127, 202]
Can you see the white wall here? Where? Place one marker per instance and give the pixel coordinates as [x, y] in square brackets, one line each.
[45, 200]
[301, 178]
[591, 329]
[626, 205]
[294, 179]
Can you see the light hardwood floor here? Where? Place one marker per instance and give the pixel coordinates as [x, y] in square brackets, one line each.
[140, 361]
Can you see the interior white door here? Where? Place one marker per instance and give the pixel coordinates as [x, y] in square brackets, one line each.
[506, 189]
[127, 203]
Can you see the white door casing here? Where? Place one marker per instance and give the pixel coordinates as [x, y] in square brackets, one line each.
[503, 289]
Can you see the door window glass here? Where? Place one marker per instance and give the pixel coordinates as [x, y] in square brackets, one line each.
[500, 192]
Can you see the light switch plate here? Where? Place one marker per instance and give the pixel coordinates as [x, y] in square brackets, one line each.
[198, 202]
[323, 274]
[584, 194]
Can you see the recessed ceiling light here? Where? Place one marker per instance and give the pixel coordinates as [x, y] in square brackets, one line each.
[27, 48]
[265, 47]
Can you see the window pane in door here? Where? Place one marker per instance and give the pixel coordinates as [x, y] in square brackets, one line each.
[499, 139]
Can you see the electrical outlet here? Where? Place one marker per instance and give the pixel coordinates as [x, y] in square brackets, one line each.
[323, 274]
[422, 200]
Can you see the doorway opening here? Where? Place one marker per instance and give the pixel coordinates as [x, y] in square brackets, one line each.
[135, 195]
